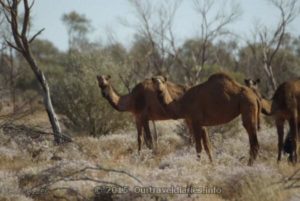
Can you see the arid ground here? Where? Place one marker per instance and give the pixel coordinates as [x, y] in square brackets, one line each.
[33, 168]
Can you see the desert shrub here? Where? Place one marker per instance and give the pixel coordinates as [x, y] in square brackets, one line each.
[251, 184]
[78, 96]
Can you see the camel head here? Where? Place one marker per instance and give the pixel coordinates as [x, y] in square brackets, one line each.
[161, 88]
[159, 82]
[103, 81]
[253, 84]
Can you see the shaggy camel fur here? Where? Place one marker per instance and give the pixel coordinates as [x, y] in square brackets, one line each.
[217, 101]
[284, 106]
[142, 102]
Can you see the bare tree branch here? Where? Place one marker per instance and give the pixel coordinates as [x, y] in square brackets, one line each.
[211, 27]
[13, 46]
[154, 23]
[271, 43]
[22, 45]
[35, 35]
[26, 19]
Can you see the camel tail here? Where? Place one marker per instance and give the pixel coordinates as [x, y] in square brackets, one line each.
[258, 113]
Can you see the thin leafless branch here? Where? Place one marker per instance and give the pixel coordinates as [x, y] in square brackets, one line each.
[35, 35]
[22, 45]
[272, 41]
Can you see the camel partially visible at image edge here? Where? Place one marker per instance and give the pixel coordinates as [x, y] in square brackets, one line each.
[217, 101]
[284, 106]
[142, 102]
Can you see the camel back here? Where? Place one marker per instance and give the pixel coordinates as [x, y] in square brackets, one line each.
[283, 96]
[175, 90]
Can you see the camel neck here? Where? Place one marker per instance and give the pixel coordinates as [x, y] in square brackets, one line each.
[170, 105]
[266, 104]
[119, 103]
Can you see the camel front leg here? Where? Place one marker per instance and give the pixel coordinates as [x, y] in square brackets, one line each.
[147, 134]
[139, 133]
[190, 128]
[249, 119]
[197, 133]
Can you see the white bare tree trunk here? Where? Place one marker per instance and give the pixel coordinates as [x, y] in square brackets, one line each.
[58, 136]
[22, 45]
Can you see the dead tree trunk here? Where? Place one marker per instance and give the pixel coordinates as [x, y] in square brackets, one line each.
[47, 97]
[12, 80]
[22, 45]
[269, 71]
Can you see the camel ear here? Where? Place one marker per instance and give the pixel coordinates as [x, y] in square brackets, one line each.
[247, 81]
[257, 81]
[165, 78]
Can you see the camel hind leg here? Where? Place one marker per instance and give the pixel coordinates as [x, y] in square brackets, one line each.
[280, 133]
[292, 107]
[258, 113]
[201, 137]
[294, 138]
[206, 143]
[249, 119]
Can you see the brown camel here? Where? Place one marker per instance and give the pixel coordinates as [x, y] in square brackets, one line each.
[284, 106]
[217, 101]
[142, 102]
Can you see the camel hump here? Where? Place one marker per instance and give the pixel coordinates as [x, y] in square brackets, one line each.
[285, 95]
[220, 76]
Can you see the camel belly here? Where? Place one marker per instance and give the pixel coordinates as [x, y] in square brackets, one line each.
[157, 114]
[215, 112]
[218, 121]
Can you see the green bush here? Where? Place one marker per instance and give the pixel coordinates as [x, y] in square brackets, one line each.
[78, 97]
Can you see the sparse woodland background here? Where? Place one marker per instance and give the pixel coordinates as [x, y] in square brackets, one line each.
[106, 138]
[155, 50]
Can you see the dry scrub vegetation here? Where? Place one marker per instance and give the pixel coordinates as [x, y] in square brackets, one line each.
[104, 148]
[33, 168]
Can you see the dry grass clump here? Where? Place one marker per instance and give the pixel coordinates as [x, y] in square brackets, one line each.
[11, 156]
[9, 188]
[15, 198]
[122, 147]
[14, 163]
[61, 179]
[249, 183]
[111, 146]
[33, 168]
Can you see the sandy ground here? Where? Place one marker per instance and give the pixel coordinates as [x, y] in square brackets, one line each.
[110, 168]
